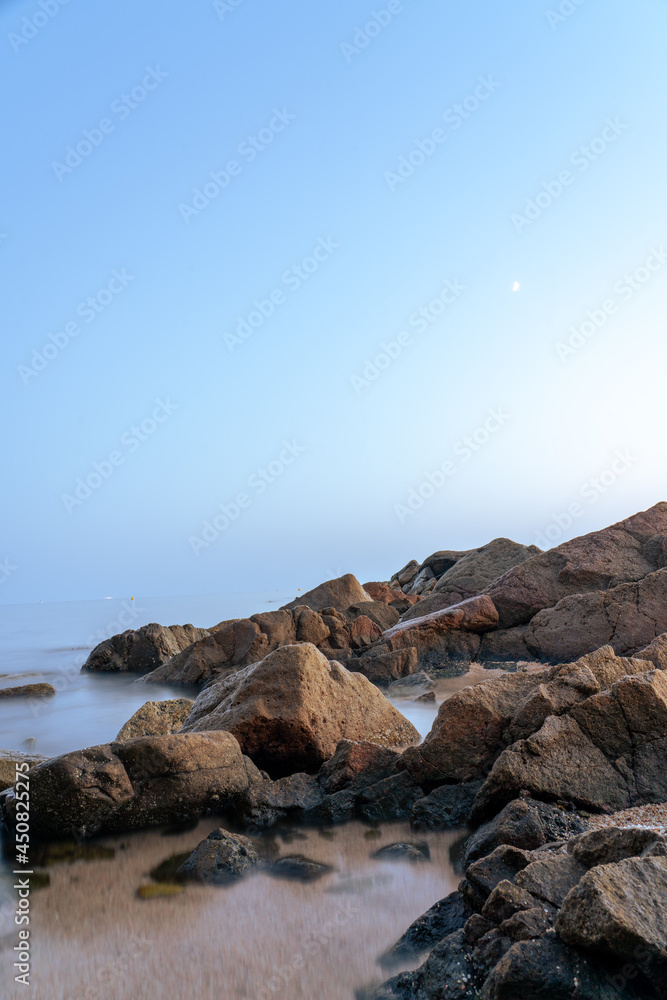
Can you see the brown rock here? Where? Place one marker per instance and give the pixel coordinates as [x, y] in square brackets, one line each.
[356, 765]
[656, 652]
[131, 785]
[142, 650]
[383, 667]
[28, 691]
[453, 632]
[467, 734]
[618, 911]
[624, 553]
[156, 718]
[558, 762]
[339, 594]
[468, 573]
[382, 614]
[290, 711]
[381, 593]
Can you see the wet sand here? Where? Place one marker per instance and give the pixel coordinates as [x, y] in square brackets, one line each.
[92, 938]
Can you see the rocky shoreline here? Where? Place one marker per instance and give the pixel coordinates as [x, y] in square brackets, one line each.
[557, 767]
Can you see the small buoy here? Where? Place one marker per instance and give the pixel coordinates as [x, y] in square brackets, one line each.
[516, 286]
[131, 598]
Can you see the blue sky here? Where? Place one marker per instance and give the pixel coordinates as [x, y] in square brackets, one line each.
[314, 459]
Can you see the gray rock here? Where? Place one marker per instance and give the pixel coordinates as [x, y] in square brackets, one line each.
[298, 868]
[524, 823]
[403, 852]
[443, 918]
[446, 808]
[222, 858]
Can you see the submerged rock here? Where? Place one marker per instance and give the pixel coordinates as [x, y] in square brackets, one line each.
[403, 852]
[220, 859]
[299, 868]
[29, 691]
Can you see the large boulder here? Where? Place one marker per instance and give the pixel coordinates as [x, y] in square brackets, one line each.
[452, 633]
[156, 718]
[623, 553]
[133, 784]
[139, 651]
[290, 711]
[340, 594]
[470, 573]
[618, 911]
[655, 652]
[627, 617]
[559, 762]
[468, 732]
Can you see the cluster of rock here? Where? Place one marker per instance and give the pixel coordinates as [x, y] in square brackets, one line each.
[286, 728]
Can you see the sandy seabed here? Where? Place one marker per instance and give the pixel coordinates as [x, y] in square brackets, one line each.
[93, 938]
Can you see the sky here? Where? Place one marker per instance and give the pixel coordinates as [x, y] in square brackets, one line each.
[294, 290]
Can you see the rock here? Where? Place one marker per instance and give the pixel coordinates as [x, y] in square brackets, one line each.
[618, 911]
[611, 844]
[407, 685]
[427, 698]
[387, 800]
[339, 594]
[558, 762]
[241, 643]
[447, 972]
[362, 632]
[8, 761]
[408, 573]
[266, 802]
[655, 652]
[623, 553]
[299, 868]
[626, 617]
[386, 595]
[483, 876]
[159, 890]
[506, 900]
[383, 667]
[310, 626]
[132, 785]
[469, 573]
[28, 691]
[550, 877]
[452, 632]
[524, 823]
[290, 711]
[142, 650]
[445, 808]
[156, 718]
[220, 859]
[467, 734]
[356, 765]
[546, 969]
[403, 852]
[382, 614]
[443, 918]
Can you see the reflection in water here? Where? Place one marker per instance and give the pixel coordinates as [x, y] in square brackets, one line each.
[93, 938]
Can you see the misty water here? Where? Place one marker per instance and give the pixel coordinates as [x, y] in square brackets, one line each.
[94, 938]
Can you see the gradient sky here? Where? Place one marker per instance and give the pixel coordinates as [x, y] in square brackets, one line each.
[349, 107]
